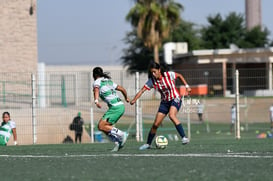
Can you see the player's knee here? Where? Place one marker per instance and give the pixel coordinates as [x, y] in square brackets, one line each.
[172, 116]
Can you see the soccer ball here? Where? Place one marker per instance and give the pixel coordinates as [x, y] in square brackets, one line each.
[161, 142]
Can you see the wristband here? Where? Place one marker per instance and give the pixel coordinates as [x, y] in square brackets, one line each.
[187, 86]
[96, 101]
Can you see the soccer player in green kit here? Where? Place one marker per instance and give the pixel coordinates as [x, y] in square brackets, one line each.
[106, 89]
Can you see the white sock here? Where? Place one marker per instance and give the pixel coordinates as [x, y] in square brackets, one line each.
[117, 132]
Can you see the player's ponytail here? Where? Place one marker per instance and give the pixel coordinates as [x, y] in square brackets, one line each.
[98, 72]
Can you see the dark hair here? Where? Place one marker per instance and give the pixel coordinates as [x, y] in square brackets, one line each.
[5, 113]
[98, 72]
[154, 65]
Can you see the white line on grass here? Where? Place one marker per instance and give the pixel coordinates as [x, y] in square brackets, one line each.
[205, 155]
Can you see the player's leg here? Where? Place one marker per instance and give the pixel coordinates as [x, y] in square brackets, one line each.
[173, 116]
[117, 112]
[76, 137]
[161, 114]
[106, 125]
[80, 137]
[114, 114]
[157, 122]
[232, 125]
[200, 115]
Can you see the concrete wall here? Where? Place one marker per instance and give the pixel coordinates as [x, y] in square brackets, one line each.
[18, 36]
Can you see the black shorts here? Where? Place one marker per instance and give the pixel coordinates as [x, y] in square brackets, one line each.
[165, 106]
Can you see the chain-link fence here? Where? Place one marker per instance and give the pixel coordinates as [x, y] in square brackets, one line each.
[44, 105]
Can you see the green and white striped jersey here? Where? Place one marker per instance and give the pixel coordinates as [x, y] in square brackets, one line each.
[107, 91]
[6, 129]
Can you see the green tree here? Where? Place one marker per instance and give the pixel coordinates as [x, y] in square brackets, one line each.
[220, 33]
[255, 38]
[153, 20]
[186, 32]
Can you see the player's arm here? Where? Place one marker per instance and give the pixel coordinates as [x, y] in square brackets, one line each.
[14, 136]
[180, 76]
[96, 97]
[124, 92]
[138, 95]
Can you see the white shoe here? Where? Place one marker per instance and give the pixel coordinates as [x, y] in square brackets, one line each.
[185, 140]
[145, 147]
[123, 139]
[116, 148]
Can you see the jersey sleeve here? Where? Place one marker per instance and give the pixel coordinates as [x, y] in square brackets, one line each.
[149, 84]
[12, 124]
[96, 84]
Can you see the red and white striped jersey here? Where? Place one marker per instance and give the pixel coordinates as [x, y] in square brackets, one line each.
[165, 85]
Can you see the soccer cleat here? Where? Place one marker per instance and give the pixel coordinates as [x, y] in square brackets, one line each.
[123, 139]
[185, 140]
[116, 148]
[145, 147]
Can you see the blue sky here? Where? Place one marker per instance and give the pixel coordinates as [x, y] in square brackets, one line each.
[91, 32]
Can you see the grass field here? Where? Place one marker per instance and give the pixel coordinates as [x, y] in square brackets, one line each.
[210, 156]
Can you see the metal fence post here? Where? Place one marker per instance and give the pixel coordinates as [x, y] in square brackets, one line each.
[140, 123]
[189, 123]
[137, 116]
[237, 96]
[33, 83]
[63, 89]
[92, 125]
